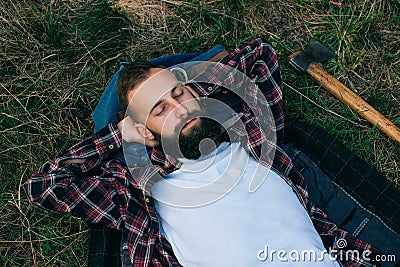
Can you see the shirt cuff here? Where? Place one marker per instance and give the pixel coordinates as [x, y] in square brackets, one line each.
[108, 140]
[100, 147]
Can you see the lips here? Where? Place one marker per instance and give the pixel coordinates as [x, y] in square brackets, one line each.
[190, 123]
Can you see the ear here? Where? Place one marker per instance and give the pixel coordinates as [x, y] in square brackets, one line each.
[143, 131]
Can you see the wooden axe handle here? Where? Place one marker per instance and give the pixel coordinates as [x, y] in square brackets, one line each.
[347, 96]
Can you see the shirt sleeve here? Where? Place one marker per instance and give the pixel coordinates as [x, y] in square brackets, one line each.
[258, 62]
[84, 180]
[252, 71]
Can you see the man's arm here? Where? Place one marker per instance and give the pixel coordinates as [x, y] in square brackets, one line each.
[258, 83]
[82, 181]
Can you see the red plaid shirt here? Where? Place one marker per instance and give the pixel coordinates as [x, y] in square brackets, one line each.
[103, 190]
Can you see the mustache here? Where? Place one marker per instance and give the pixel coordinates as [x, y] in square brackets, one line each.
[190, 116]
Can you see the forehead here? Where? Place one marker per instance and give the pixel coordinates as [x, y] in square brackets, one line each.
[147, 93]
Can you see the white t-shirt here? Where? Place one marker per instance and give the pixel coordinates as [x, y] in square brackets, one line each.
[214, 220]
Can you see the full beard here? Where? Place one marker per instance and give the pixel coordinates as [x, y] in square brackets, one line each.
[202, 138]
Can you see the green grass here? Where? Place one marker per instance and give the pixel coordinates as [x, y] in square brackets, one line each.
[57, 56]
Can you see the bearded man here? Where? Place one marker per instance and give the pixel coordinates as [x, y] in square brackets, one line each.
[167, 221]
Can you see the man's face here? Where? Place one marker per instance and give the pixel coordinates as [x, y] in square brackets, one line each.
[173, 115]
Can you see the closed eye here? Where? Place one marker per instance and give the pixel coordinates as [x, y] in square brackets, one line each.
[160, 110]
[160, 107]
[178, 95]
[177, 91]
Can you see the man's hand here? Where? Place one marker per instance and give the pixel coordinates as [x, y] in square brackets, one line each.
[131, 134]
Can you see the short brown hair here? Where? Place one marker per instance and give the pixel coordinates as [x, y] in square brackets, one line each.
[132, 74]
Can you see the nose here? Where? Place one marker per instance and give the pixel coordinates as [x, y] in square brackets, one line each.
[180, 110]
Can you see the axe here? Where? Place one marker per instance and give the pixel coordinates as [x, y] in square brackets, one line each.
[310, 61]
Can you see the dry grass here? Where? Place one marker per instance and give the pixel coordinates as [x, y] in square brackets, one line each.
[57, 56]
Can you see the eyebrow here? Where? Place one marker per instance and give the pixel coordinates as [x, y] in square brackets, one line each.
[159, 102]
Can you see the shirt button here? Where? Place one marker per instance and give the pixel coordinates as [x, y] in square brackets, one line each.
[147, 200]
[209, 88]
[111, 146]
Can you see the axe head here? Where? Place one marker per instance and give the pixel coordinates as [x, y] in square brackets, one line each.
[314, 52]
